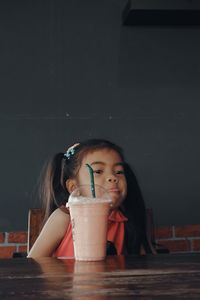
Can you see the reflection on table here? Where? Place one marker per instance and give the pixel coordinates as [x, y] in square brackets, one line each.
[163, 276]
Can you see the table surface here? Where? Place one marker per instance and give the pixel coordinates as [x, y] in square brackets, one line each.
[163, 276]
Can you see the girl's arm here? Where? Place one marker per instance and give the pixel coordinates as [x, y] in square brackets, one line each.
[51, 235]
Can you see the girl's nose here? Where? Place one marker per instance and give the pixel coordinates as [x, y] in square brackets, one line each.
[112, 178]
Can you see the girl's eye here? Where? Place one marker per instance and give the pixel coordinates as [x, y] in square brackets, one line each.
[98, 171]
[119, 172]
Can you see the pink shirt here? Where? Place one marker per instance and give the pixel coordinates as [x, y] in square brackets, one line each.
[115, 234]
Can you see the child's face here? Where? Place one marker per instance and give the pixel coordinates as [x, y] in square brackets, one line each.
[108, 172]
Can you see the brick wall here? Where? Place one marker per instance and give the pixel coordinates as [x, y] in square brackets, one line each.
[179, 238]
[12, 242]
[175, 238]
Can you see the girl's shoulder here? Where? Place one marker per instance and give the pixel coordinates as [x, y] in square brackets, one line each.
[60, 214]
[59, 219]
[51, 234]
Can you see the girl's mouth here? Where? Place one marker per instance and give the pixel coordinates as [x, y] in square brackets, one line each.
[114, 190]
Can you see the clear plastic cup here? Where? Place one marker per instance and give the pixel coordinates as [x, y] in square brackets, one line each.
[89, 217]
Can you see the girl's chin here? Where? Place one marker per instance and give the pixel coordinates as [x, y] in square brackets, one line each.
[115, 204]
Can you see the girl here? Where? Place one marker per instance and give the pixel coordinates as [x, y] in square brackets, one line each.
[126, 225]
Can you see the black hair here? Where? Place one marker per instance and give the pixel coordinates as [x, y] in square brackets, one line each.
[53, 191]
[134, 209]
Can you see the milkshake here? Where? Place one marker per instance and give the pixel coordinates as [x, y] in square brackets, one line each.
[89, 218]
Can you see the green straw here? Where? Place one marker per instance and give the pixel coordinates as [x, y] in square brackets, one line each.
[91, 180]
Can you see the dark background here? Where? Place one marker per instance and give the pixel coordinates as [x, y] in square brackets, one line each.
[70, 71]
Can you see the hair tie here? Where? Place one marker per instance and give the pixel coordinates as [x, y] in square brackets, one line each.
[70, 151]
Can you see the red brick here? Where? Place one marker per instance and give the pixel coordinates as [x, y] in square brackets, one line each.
[22, 248]
[7, 251]
[2, 237]
[176, 245]
[17, 237]
[196, 245]
[187, 231]
[163, 232]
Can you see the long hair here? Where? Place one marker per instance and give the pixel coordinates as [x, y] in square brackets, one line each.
[53, 191]
[134, 208]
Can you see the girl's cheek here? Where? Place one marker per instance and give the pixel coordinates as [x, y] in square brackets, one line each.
[99, 182]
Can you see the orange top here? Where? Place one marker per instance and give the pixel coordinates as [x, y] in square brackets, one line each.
[115, 234]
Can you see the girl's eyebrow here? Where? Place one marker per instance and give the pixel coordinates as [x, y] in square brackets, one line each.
[97, 163]
[102, 163]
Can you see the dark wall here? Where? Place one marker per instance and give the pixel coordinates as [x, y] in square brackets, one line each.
[71, 71]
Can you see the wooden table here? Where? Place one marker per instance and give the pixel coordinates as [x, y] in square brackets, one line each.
[164, 276]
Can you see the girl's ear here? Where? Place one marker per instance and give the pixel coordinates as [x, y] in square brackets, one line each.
[70, 185]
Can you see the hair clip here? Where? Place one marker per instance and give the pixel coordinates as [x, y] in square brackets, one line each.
[70, 151]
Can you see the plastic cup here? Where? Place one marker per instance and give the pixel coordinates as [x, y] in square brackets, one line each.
[89, 218]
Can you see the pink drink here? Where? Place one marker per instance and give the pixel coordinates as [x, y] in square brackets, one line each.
[89, 217]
